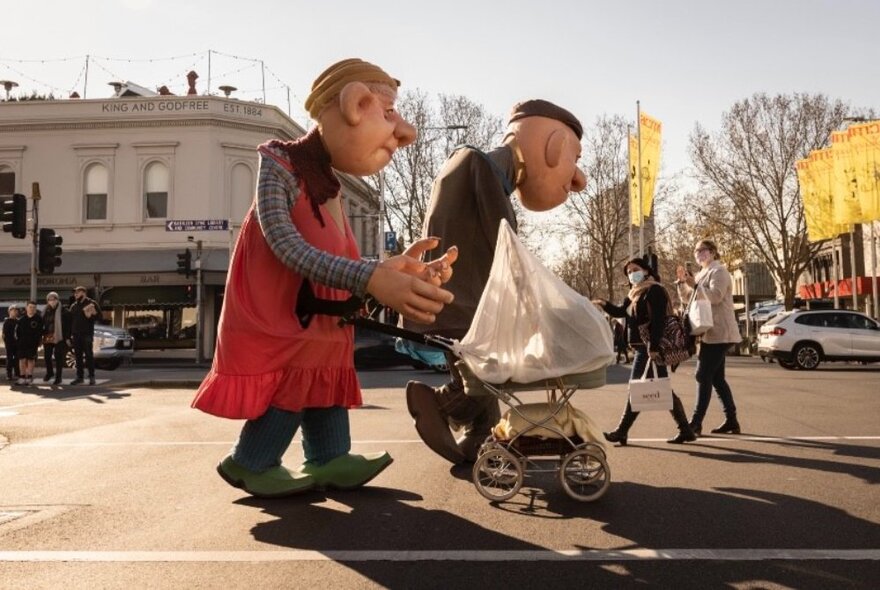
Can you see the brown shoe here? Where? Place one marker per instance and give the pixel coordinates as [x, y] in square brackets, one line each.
[470, 445]
[431, 424]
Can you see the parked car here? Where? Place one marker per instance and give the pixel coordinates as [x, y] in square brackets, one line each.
[375, 350]
[804, 339]
[111, 347]
[145, 326]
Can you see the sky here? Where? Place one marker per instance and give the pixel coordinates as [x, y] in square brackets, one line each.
[685, 61]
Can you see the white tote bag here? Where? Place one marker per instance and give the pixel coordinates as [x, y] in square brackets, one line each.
[699, 312]
[650, 394]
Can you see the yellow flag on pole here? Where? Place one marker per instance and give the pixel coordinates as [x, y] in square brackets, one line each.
[847, 209]
[865, 142]
[635, 215]
[815, 230]
[650, 129]
[821, 171]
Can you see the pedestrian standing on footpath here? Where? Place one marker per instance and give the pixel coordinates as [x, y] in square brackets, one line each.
[56, 334]
[83, 314]
[29, 335]
[11, 344]
[715, 280]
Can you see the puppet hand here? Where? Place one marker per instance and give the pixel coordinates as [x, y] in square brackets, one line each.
[396, 283]
[442, 267]
[437, 271]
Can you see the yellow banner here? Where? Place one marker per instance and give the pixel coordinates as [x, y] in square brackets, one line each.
[865, 142]
[635, 216]
[808, 195]
[650, 129]
[847, 209]
[821, 184]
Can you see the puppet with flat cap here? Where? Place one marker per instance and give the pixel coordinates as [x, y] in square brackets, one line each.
[276, 370]
[538, 162]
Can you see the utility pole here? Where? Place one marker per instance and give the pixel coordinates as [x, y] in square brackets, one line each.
[199, 322]
[35, 196]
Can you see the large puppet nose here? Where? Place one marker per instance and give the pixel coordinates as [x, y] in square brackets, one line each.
[404, 132]
[579, 182]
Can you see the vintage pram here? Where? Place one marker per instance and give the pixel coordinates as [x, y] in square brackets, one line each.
[531, 438]
[530, 332]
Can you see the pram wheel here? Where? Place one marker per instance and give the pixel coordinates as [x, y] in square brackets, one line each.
[585, 475]
[498, 474]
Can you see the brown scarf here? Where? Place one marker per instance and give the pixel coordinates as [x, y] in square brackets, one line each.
[638, 290]
[311, 162]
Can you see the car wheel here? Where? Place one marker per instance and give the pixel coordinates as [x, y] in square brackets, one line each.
[807, 356]
[108, 365]
[786, 364]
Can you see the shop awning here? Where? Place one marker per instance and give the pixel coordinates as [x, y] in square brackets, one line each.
[151, 296]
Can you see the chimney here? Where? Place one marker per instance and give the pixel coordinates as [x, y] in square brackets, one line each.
[191, 79]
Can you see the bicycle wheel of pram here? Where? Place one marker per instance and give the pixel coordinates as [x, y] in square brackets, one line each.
[498, 474]
[585, 475]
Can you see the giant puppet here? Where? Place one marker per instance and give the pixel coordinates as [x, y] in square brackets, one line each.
[537, 162]
[274, 368]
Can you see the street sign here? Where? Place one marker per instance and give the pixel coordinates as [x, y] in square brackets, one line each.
[390, 241]
[197, 225]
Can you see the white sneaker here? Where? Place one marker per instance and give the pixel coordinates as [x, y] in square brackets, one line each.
[21, 381]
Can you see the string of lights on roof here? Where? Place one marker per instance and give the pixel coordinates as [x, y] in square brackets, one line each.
[239, 79]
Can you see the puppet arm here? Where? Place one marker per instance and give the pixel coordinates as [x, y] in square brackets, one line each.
[277, 193]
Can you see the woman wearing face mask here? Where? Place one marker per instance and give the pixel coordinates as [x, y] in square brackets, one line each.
[716, 282]
[646, 303]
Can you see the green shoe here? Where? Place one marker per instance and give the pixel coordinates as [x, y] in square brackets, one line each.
[347, 472]
[275, 482]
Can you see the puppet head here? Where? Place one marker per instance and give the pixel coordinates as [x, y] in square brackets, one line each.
[546, 140]
[353, 103]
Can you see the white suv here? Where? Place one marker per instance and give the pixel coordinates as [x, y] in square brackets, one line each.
[803, 339]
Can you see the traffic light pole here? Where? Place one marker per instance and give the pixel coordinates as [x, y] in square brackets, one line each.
[199, 322]
[35, 196]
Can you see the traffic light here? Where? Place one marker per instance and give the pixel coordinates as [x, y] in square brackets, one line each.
[15, 216]
[184, 263]
[48, 251]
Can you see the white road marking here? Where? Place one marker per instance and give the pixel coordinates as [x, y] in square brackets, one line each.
[411, 441]
[464, 555]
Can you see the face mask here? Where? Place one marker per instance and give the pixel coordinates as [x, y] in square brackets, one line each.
[636, 277]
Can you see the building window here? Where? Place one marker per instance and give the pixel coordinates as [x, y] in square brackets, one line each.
[242, 193]
[7, 182]
[156, 183]
[96, 183]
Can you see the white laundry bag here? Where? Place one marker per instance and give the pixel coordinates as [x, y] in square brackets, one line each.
[529, 325]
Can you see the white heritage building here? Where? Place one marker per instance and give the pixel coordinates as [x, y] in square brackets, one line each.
[119, 177]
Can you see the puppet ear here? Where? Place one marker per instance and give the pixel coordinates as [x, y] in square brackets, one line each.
[354, 100]
[556, 143]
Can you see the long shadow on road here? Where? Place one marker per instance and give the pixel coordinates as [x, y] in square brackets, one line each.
[377, 519]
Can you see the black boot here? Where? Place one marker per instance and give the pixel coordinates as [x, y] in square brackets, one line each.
[730, 426]
[619, 434]
[685, 434]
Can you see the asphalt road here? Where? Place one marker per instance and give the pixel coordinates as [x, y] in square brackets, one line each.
[114, 487]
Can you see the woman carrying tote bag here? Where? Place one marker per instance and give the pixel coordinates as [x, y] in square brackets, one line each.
[646, 303]
[715, 282]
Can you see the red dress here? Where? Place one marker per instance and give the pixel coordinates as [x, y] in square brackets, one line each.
[264, 357]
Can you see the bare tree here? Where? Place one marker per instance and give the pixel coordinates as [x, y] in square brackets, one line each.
[598, 218]
[748, 181]
[454, 120]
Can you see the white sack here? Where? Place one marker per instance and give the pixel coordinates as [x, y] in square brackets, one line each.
[529, 325]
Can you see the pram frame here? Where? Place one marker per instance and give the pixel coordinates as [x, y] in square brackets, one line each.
[491, 474]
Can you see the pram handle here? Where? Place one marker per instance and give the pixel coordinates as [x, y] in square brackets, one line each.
[439, 342]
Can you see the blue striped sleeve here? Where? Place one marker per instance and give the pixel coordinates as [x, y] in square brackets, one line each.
[277, 192]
